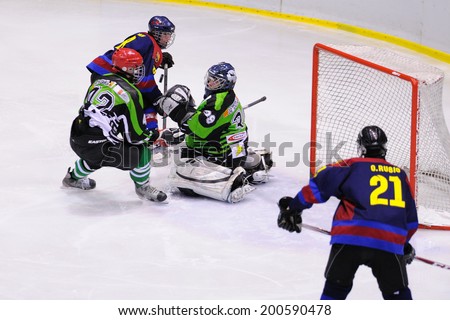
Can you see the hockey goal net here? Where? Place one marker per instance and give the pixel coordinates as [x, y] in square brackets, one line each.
[356, 86]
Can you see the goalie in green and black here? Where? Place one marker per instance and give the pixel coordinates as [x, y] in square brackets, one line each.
[110, 130]
[216, 138]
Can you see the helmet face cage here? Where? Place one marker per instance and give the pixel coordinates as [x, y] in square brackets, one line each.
[163, 39]
[163, 30]
[372, 142]
[135, 74]
[220, 77]
[138, 73]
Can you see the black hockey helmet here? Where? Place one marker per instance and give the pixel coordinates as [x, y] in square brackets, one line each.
[163, 30]
[372, 142]
[220, 77]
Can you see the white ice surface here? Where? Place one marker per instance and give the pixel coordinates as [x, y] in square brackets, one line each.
[107, 244]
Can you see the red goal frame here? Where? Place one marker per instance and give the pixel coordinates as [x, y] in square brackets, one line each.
[414, 106]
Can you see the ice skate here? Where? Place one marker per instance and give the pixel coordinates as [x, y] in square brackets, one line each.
[258, 177]
[257, 165]
[148, 192]
[239, 193]
[83, 183]
[240, 186]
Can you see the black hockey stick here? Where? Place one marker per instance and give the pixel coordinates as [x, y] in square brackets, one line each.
[427, 261]
[166, 72]
[251, 104]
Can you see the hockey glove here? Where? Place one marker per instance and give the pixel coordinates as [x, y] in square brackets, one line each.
[409, 253]
[289, 219]
[172, 136]
[167, 59]
[169, 137]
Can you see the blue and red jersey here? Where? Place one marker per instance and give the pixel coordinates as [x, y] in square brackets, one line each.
[376, 210]
[151, 53]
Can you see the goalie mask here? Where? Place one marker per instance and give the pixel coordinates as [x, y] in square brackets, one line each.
[220, 77]
[129, 63]
[162, 30]
[371, 142]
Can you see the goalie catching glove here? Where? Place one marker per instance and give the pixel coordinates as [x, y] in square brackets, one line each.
[177, 103]
[289, 219]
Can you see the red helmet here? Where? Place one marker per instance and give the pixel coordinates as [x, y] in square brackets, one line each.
[129, 62]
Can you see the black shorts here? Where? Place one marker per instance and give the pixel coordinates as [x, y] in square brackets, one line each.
[388, 268]
[91, 145]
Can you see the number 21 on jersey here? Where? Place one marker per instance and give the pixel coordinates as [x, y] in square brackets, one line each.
[382, 184]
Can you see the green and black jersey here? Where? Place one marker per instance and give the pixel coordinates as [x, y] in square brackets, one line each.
[116, 107]
[217, 129]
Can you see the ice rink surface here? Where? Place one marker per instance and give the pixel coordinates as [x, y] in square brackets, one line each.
[107, 244]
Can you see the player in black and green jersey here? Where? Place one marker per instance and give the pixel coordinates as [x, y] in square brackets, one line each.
[110, 130]
[213, 161]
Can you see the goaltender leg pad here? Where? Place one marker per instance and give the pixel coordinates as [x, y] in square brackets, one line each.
[209, 179]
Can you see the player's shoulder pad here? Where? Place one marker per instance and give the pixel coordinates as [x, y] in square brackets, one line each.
[121, 92]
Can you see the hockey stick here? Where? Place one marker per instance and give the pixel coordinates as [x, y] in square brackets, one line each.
[251, 104]
[427, 261]
[166, 72]
[433, 263]
[157, 148]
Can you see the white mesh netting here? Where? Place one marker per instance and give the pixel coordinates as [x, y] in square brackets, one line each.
[351, 95]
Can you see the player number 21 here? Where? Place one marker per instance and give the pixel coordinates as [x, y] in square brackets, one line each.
[382, 184]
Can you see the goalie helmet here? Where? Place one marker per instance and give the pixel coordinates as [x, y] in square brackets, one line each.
[371, 142]
[129, 63]
[162, 30]
[220, 77]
